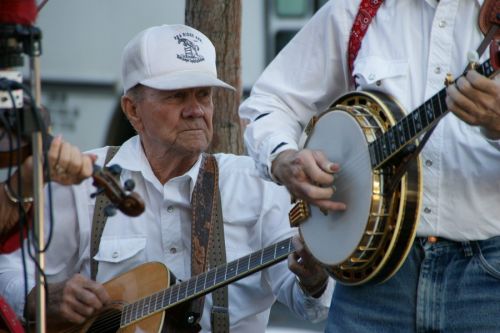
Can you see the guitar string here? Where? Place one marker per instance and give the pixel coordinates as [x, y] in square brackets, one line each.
[105, 321]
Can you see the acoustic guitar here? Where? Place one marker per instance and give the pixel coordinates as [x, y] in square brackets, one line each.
[141, 295]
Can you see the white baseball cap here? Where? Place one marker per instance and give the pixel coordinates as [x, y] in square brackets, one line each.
[170, 57]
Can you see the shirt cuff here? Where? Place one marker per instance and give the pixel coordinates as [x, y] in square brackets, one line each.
[268, 152]
[325, 297]
[493, 142]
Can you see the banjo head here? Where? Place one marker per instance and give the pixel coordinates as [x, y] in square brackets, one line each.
[332, 237]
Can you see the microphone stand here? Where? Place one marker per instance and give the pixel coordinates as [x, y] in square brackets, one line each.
[38, 223]
[16, 39]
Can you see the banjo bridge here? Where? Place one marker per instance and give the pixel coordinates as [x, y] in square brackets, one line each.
[299, 213]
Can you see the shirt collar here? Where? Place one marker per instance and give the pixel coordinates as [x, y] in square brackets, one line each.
[193, 175]
[131, 157]
[433, 3]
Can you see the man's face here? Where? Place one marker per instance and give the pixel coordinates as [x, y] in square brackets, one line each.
[178, 121]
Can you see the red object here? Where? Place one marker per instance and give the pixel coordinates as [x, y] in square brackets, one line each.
[8, 319]
[11, 242]
[366, 12]
[22, 12]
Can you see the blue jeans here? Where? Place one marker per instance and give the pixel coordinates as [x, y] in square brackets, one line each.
[442, 287]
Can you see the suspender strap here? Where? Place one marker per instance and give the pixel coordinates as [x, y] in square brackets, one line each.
[99, 219]
[207, 232]
[366, 12]
[219, 315]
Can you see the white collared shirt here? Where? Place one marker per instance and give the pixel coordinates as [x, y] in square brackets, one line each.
[407, 51]
[255, 215]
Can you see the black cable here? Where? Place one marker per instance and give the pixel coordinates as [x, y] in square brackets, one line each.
[9, 86]
[22, 221]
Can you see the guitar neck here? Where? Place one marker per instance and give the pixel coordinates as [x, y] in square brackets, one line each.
[206, 282]
[407, 129]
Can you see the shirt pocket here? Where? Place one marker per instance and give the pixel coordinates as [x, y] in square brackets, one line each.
[386, 75]
[119, 255]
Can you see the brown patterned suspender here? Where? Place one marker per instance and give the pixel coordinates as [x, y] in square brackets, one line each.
[207, 217]
[99, 219]
[220, 313]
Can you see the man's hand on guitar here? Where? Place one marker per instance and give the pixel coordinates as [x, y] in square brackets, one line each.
[73, 300]
[308, 175]
[311, 276]
[476, 99]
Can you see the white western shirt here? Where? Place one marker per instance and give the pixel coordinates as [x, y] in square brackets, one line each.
[255, 215]
[406, 52]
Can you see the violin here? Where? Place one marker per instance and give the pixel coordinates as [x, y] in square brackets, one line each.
[489, 24]
[16, 148]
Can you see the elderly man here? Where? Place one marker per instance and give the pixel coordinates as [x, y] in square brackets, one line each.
[168, 75]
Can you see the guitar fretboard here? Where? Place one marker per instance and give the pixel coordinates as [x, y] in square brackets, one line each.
[415, 123]
[206, 282]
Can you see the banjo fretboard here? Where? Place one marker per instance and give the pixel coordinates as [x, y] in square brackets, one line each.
[414, 124]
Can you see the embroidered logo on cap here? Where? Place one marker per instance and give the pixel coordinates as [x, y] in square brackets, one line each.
[189, 42]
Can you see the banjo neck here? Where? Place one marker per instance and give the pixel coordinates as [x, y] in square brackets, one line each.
[407, 129]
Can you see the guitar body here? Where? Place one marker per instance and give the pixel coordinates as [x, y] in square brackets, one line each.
[127, 288]
[371, 239]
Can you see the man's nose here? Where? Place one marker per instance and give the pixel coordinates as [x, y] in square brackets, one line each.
[193, 108]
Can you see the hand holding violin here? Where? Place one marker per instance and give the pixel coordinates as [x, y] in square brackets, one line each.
[67, 166]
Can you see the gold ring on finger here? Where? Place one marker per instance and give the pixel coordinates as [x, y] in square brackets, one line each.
[59, 169]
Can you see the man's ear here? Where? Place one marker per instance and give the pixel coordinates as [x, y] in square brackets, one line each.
[129, 108]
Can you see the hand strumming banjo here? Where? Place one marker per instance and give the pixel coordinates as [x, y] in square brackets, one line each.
[366, 132]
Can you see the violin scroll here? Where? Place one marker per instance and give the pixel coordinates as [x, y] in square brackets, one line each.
[128, 202]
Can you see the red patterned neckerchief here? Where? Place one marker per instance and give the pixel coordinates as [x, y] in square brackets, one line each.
[366, 12]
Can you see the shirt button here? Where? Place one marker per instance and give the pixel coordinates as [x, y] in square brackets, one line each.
[427, 210]
[173, 250]
[115, 254]
[437, 70]
[378, 82]
[428, 163]
[170, 209]
[442, 24]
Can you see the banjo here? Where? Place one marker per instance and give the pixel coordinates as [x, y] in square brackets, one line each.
[369, 134]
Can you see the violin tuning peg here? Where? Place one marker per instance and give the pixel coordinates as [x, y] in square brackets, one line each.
[115, 169]
[110, 210]
[129, 185]
[96, 193]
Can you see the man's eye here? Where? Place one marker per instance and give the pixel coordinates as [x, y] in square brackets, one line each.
[204, 93]
[175, 96]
